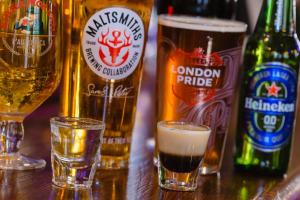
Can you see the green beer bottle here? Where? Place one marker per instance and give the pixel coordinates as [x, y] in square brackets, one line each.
[269, 91]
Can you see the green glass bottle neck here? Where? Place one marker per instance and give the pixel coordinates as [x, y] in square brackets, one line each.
[276, 16]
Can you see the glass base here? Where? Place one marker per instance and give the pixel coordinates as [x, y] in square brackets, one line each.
[16, 161]
[113, 162]
[177, 181]
[62, 183]
[71, 173]
[177, 186]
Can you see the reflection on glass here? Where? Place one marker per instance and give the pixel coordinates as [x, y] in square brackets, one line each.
[110, 184]
[168, 194]
[58, 193]
[243, 193]
[141, 183]
[8, 184]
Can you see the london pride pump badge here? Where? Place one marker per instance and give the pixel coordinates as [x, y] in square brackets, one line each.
[197, 75]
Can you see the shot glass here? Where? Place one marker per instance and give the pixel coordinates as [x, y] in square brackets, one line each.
[75, 150]
[181, 146]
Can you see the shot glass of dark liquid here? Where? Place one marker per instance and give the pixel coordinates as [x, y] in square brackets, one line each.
[181, 146]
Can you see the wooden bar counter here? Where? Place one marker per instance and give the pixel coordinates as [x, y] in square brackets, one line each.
[139, 182]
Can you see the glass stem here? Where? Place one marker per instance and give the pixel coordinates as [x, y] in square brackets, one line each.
[11, 135]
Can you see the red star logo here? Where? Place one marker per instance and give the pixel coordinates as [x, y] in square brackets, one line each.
[25, 22]
[273, 90]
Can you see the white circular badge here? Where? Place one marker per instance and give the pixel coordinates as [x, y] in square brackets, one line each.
[112, 42]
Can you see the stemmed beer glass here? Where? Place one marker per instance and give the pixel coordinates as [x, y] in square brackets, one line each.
[30, 70]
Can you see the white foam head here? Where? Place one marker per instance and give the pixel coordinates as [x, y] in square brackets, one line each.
[200, 23]
[183, 139]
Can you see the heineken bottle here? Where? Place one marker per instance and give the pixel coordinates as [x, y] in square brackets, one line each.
[269, 91]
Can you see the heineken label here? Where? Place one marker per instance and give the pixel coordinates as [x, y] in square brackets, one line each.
[270, 104]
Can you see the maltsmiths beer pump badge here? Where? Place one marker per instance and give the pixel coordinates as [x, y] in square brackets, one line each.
[112, 42]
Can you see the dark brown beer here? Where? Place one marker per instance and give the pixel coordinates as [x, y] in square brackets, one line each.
[180, 164]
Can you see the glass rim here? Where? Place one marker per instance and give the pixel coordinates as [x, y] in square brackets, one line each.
[86, 123]
[202, 23]
[174, 122]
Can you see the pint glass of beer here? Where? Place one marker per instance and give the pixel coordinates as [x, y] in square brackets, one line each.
[103, 44]
[197, 68]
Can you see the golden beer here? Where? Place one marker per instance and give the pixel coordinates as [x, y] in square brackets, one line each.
[30, 69]
[104, 43]
[25, 82]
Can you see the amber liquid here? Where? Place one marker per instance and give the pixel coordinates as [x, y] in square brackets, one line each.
[29, 78]
[82, 92]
